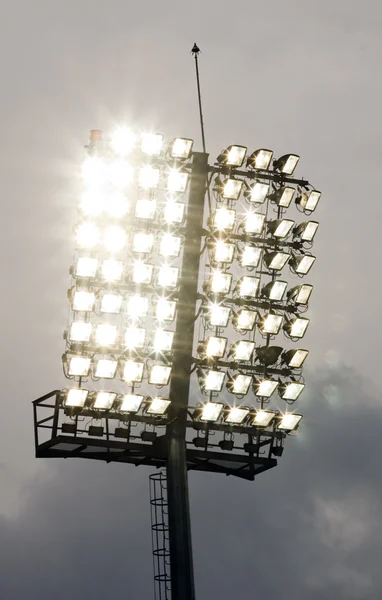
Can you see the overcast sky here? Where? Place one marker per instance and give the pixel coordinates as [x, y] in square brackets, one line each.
[299, 76]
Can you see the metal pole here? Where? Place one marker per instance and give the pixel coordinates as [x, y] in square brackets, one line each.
[182, 574]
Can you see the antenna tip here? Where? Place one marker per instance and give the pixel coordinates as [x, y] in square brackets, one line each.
[195, 49]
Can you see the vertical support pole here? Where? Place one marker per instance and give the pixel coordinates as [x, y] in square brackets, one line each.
[182, 573]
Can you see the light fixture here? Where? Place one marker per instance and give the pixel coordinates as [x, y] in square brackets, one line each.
[105, 368]
[106, 335]
[168, 277]
[213, 347]
[148, 177]
[114, 238]
[87, 235]
[170, 245]
[308, 202]
[123, 141]
[163, 340]
[137, 306]
[143, 243]
[244, 320]
[286, 164]
[134, 338]
[111, 303]
[263, 418]
[302, 263]
[152, 143]
[177, 182]
[83, 301]
[213, 381]
[86, 267]
[93, 172]
[254, 223]
[242, 350]
[145, 209]
[270, 324]
[92, 202]
[260, 159]
[131, 403]
[289, 422]
[158, 406]
[165, 310]
[300, 294]
[223, 251]
[257, 192]
[224, 219]
[142, 273]
[80, 331]
[119, 174]
[268, 355]
[211, 412]
[275, 261]
[133, 371]
[233, 156]
[248, 286]
[283, 196]
[174, 212]
[236, 415]
[159, 375]
[306, 231]
[218, 315]
[264, 388]
[239, 384]
[297, 327]
[104, 400]
[291, 390]
[218, 283]
[181, 148]
[274, 290]
[112, 270]
[249, 256]
[76, 397]
[295, 358]
[280, 228]
[79, 366]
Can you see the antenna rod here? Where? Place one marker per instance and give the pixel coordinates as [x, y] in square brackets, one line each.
[195, 51]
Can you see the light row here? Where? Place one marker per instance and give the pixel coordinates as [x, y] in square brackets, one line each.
[105, 336]
[249, 287]
[211, 412]
[213, 380]
[94, 203]
[141, 273]
[124, 141]
[106, 368]
[137, 305]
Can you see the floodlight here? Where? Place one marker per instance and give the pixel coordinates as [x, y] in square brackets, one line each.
[87, 235]
[174, 212]
[263, 418]
[211, 412]
[254, 223]
[177, 182]
[114, 238]
[244, 320]
[248, 286]
[83, 301]
[268, 355]
[134, 338]
[280, 228]
[218, 283]
[181, 148]
[213, 381]
[106, 335]
[93, 172]
[260, 159]
[158, 406]
[76, 397]
[302, 263]
[170, 245]
[105, 368]
[286, 164]
[148, 177]
[117, 205]
[86, 267]
[306, 231]
[168, 277]
[295, 358]
[309, 201]
[104, 400]
[300, 294]
[275, 261]
[123, 141]
[257, 192]
[111, 303]
[236, 415]
[264, 388]
[137, 306]
[152, 144]
[233, 156]
[291, 390]
[112, 270]
[289, 422]
[232, 189]
[213, 347]
[163, 340]
[242, 350]
[143, 243]
[274, 290]
[145, 209]
[80, 331]
[224, 219]
[165, 310]
[142, 273]
[133, 371]
[159, 375]
[283, 196]
[223, 251]
[131, 403]
[119, 174]
[92, 202]
[239, 384]
[79, 366]
[249, 256]
[271, 324]
[218, 315]
[296, 328]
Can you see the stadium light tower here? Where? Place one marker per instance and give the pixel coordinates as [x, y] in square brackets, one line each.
[174, 298]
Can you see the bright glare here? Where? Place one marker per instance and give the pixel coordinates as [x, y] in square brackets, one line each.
[145, 209]
[158, 406]
[134, 338]
[232, 189]
[104, 400]
[248, 286]
[214, 381]
[76, 397]
[235, 156]
[289, 422]
[211, 411]
[165, 310]
[181, 148]
[259, 191]
[265, 388]
[170, 245]
[168, 276]
[123, 141]
[87, 235]
[263, 418]
[79, 366]
[220, 282]
[106, 368]
[106, 335]
[131, 403]
[224, 219]
[137, 306]
[114, 238]
[111, 303]
[94, 172]
[215, 346]
[236, 415]
[250, 256]
[163, 340]
[83, 301]
[219, 315]
[262, 159]
[86, 267]
[177, 181]
[159, 375]
[120, 174]
[271, 324]
[112, 270]
[254, 223]
[224, 252]
[240, 384]
[245, 320]
[174, 212]
[143, 242]
[80, 331]
[152, 144]
[92, 202]
[148, 177]
[133, 371]
[116, 205]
